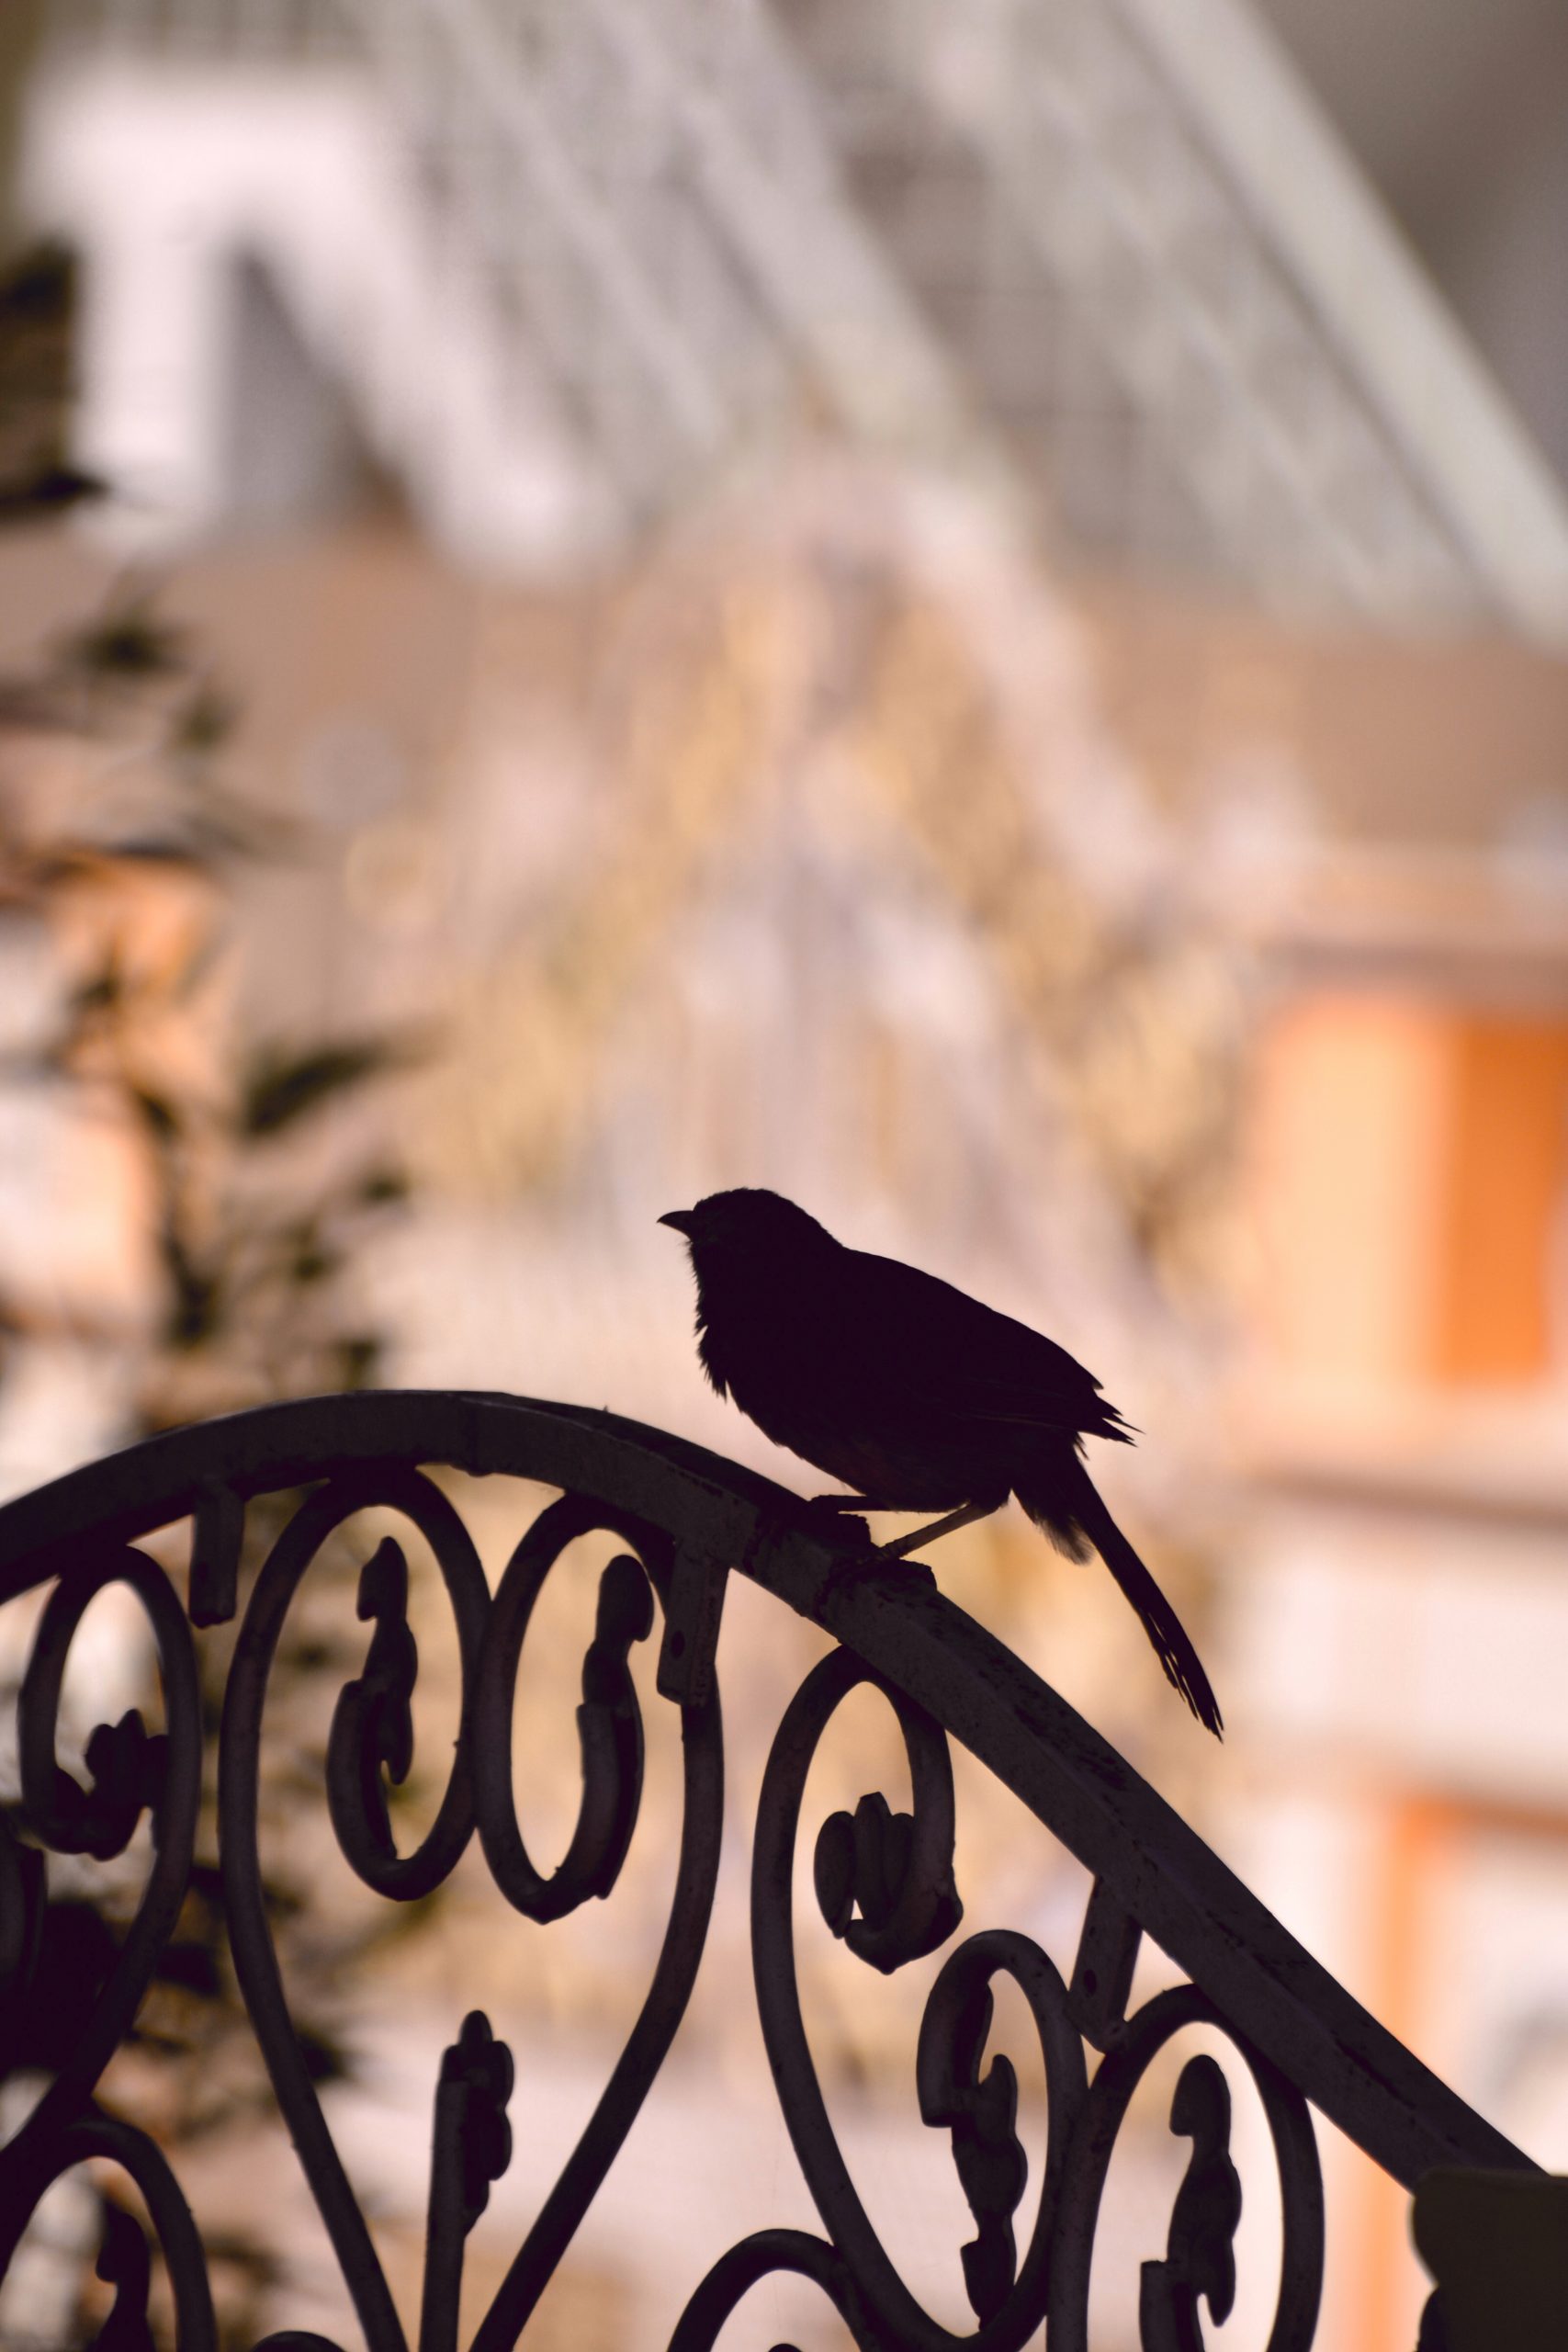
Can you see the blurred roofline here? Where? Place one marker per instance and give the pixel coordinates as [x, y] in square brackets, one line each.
[1479, 460]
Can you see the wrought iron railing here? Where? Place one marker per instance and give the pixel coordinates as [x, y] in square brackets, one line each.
[885, 1882]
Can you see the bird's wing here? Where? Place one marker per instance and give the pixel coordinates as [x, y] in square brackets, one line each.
[965, 1361]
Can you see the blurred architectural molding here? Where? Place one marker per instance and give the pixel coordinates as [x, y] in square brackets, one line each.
[576, 259]
[1414, 362]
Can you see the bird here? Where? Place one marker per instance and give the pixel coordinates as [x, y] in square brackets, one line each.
[915, 1395]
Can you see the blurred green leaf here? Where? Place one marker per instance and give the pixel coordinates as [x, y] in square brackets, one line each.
[129, 642]
[204, 722]
[358, 1362]
[158, 1116]
[196, 1293]
[192, 1967]
[102, 993]
[383, 1188]
[36, 286]
[37, 300]
[180, 849]
[314, 1263]
[49, 491]
[325, 2057]
[282, 1089]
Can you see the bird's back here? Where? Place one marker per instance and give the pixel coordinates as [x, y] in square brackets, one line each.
[970, 1361]
[888, 1378]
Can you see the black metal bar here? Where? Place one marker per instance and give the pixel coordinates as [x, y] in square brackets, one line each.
[216, 1534]
[691, 1906]
[691, 1626]
[255, 1962]
[763, 2256]
[1102, 1971]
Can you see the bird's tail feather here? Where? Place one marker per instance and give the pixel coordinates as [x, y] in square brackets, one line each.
[1088, 1516]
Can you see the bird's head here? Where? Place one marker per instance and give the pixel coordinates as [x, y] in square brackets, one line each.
[730, 1228]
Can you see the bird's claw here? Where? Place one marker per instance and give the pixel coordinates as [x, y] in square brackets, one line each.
[833, 1524]
[862, 1566]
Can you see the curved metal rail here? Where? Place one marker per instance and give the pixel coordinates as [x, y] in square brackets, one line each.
[884, 1881]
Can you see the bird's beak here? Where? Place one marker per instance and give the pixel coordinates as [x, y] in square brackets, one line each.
[681, 1219]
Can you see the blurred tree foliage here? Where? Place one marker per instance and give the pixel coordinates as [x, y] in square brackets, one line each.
[121, 849]
[35, 346]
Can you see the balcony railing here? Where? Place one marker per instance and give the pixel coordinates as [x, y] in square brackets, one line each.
[885, 1882]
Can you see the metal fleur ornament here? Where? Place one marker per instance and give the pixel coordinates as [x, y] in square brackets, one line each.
[372, 1735]
[125, 2264]
[1200, 2259]
[683, 1522]
[470, 2148]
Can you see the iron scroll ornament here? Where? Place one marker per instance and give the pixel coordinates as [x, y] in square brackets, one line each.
[884, 1881]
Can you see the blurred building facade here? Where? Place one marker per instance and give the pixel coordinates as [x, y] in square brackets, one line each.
[567, 262]
[927, 609]
[1461, 116]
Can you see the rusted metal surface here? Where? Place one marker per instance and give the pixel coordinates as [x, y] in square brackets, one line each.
[884, 1881]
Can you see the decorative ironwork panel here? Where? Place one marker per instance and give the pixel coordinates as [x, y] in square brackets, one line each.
[883, 1881]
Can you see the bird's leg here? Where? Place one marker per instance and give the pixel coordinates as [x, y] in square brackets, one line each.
[843, 1502]
[927, 1535]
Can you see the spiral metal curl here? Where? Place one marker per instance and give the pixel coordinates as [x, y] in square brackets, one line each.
[979, 2111]
[609, 1721]
[765, 2255]
[31, 2168]
[131, 1773]
[1131, 2053]
[898, 1880]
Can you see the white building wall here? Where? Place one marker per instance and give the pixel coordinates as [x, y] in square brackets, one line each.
[165, 176]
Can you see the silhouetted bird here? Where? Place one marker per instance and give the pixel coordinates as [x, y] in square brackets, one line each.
[914, 1393]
